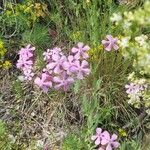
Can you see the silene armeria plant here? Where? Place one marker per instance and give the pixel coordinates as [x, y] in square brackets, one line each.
[104, 140]
[60, 70]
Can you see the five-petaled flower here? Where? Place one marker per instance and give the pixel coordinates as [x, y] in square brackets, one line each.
[80, 51]
[110, 43]
[63, 81]
[44, 82]
[56, 64]
[104, 140]
[132, 88]
[81, 69]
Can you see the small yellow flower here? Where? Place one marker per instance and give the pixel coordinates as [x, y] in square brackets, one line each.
[1, 44]
[122, 132]
[7, 64]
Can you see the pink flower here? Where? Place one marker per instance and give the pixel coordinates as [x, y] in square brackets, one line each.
[56, 64]
[27, 51]
[63, 81]
[110, 43]
[28, 74]
[80, 51]
[24, 63]
[44, 82]
[110, 142]
[81, 69]
[132, 88]
[69, 65]
[97, 137]
[52, 54]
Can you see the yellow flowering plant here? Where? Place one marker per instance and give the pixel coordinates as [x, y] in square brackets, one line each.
[23, 15]
[4, 64]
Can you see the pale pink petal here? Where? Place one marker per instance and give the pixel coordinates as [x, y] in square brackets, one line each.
[80, 45]
[80, 75]
[106, 135]
[85, 55]
[109, 47]
[45, 89]
[70, 80]
[115, 144]
[73, 69]
[97, 141]
[51, 65]
[98, 131]
[105, 42]
[66, 65]
[57, 69]
[87, 71]
[58, 86]
[70, 58]
[74, 50]
[94, 137]
[84, 63]
[48, 84]
[109, 147]
[115, 39]
[55, 57]
[101, 148]
[114, 137]
[109, 37]
[104, 141]
[86, 48]
[38, 81]
[116, 47]
[77, 56]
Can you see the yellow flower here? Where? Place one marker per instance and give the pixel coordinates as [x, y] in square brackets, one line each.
[122, 132]
[7, 64]
[1, 44]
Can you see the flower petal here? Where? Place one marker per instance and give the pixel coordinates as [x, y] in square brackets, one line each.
[80, 45]
[74, 50]
[94, 137]
[109, 147]
[98, 141]
[115, 144]
[114, 137]
[115, 46]
[98, 131]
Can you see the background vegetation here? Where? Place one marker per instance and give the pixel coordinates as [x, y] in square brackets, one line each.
[31, 119]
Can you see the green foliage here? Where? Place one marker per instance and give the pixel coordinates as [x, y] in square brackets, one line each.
[131, 145]
[17, 89]
[72, 142]
[5, 143]
[37, 36]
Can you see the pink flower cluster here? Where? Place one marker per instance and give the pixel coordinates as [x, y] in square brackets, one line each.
[104, 140]
[133, 88]
[110, 43]
[61, 71]
[25, 62]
